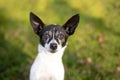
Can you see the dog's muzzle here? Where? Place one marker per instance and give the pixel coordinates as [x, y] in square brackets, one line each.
[53, 47]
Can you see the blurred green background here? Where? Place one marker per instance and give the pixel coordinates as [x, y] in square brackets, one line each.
[93, 52]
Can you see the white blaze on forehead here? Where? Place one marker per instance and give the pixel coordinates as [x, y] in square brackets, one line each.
[53, 38]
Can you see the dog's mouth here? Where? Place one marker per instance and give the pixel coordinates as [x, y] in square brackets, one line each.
[53, 51]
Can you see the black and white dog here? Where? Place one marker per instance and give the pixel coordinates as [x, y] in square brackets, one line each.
[53, 41]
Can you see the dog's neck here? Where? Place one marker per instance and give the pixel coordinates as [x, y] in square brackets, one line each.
[48, 65]
[43, 52]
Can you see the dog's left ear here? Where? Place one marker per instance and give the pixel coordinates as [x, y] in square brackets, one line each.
[36, 23]
[71, 24]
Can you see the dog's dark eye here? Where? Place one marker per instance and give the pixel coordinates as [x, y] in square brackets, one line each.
[45, 37]
[61, 36]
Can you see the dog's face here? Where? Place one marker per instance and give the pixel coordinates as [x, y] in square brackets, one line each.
[53, 37]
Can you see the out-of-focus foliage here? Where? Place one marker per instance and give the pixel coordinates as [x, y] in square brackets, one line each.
[93, 52]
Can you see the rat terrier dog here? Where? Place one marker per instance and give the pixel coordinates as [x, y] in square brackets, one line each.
[53, 41]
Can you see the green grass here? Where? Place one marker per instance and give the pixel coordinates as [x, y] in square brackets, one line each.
[93, 52]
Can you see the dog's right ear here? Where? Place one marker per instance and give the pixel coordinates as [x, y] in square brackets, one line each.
[36, 23]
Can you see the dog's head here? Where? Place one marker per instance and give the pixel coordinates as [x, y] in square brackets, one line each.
[53, 37]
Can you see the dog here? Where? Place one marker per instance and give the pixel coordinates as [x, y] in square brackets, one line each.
[48, 64]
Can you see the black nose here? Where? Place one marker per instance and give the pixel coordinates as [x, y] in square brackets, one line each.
[53, 46]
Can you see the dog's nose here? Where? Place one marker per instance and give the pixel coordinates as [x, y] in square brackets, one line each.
[53, 46]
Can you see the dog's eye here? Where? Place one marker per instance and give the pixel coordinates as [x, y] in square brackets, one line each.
[45, 37]
[61, 36]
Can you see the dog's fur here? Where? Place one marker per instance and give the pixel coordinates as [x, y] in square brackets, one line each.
[53, 41]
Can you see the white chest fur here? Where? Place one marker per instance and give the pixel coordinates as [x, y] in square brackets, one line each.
[47, 66]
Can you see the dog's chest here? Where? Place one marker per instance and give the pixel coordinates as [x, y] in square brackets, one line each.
[48, 67]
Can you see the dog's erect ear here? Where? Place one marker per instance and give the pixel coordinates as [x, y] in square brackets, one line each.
[71, 24]
[36, 23]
